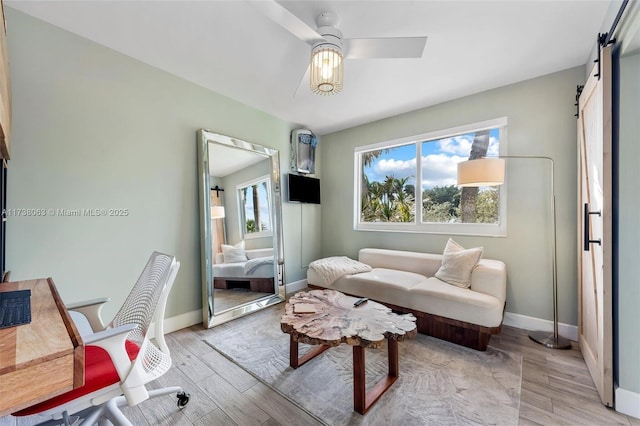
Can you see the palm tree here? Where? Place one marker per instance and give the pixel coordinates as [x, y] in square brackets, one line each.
[404, 200]
[469, 195]
[367, 159]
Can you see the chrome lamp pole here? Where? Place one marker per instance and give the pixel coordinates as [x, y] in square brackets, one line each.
[489, 171]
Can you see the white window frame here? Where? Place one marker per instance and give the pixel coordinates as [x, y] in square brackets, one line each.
[241, 212]
[479, 229]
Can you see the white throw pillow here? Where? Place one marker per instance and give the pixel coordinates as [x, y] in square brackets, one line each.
[235, 253]
[458, 263]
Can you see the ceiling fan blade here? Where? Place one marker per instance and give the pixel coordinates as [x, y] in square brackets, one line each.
[287, 20]
[303, 82]
[394, 47]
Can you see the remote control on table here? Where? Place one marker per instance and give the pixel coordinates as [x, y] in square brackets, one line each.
[360, 301]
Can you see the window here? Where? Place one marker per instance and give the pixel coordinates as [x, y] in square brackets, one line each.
[391, 184]
[255, 214]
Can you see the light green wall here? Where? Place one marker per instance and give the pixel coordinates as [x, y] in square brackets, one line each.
[628, 297]
[541, 121]
[93, 128]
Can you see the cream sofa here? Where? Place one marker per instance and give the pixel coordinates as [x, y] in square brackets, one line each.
[405, 282]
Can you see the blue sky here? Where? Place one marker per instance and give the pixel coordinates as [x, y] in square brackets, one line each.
[439, 160]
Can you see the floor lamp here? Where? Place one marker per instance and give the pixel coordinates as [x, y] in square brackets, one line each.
[490, 172]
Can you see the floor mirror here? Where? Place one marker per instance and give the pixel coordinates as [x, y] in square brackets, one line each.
[242, 252]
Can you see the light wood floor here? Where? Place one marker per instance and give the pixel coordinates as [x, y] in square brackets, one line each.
[225, 299]
[556, 389]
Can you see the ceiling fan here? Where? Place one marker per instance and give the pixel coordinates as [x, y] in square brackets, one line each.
[329, 49]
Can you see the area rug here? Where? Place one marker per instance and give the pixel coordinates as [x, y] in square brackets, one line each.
[440, 383]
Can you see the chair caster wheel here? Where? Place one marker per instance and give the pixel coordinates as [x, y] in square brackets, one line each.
[183, 399]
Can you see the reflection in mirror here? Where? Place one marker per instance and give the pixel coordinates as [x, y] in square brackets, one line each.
[255, 220]
[241, 241]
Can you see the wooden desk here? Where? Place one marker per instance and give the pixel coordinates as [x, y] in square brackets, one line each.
[44, 358]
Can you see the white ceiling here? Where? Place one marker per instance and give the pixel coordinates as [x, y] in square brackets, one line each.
[231, 48]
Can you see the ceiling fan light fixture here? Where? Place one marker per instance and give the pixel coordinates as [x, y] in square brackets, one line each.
[327, 69]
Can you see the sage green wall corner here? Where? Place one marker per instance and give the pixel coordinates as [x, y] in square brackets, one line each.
[94, 129]
[541, 121]
[628, 297]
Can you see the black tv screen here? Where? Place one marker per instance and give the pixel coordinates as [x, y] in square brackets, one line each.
[304, 189]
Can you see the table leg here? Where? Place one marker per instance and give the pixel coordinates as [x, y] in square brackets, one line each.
[363, 400]
[295, 361]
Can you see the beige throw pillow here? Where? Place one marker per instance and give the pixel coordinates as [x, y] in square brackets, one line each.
[458, 263]
[235, 253]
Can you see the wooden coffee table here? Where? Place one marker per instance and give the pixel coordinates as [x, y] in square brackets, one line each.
[337, 321]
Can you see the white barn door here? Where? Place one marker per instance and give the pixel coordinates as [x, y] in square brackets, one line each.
[595, 227]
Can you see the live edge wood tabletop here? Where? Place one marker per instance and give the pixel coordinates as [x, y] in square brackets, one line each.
[44, 358]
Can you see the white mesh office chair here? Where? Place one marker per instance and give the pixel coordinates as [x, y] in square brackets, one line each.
[120, 359]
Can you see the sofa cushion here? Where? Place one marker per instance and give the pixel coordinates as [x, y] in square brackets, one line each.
[421, 263]
[439, 298]
[458, 263]
[384, 285]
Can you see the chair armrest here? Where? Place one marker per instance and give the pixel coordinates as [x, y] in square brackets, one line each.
[76, 305]
[113, 340]
[91, 309]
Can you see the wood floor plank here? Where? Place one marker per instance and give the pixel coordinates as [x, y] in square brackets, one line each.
[188, 362]
[228, 370]
[281, 410]
[535, 373]
[135, 415]
[587, 391]
[234, 404]
[540, 401]
[590, 414]
[200, 403]
[534, 415]
[190, 338]
[567, 397]
[215, 417]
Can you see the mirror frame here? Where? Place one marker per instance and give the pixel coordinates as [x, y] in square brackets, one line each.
[209, 317]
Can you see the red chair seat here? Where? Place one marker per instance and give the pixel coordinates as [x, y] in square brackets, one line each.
[99, 372]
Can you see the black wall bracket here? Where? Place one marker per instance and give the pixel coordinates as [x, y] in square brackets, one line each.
[579, 88]
[218, 190]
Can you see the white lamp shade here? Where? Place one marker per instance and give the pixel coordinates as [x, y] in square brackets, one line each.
[217, 212]
[481, 172]
[327, 69]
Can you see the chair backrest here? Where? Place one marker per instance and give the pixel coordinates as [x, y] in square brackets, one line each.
[146, 303]
[148, 298]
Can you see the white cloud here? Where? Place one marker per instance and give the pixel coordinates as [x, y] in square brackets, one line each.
[395, 168]
[459, 145]
[440, 169]
[493, 147]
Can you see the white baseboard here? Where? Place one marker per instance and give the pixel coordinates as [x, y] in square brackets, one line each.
[296, 286]
[178, 322]
[627, 402]
[531, 323]
[182, 321]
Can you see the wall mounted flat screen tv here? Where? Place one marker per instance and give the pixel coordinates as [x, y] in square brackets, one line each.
[304, 189]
